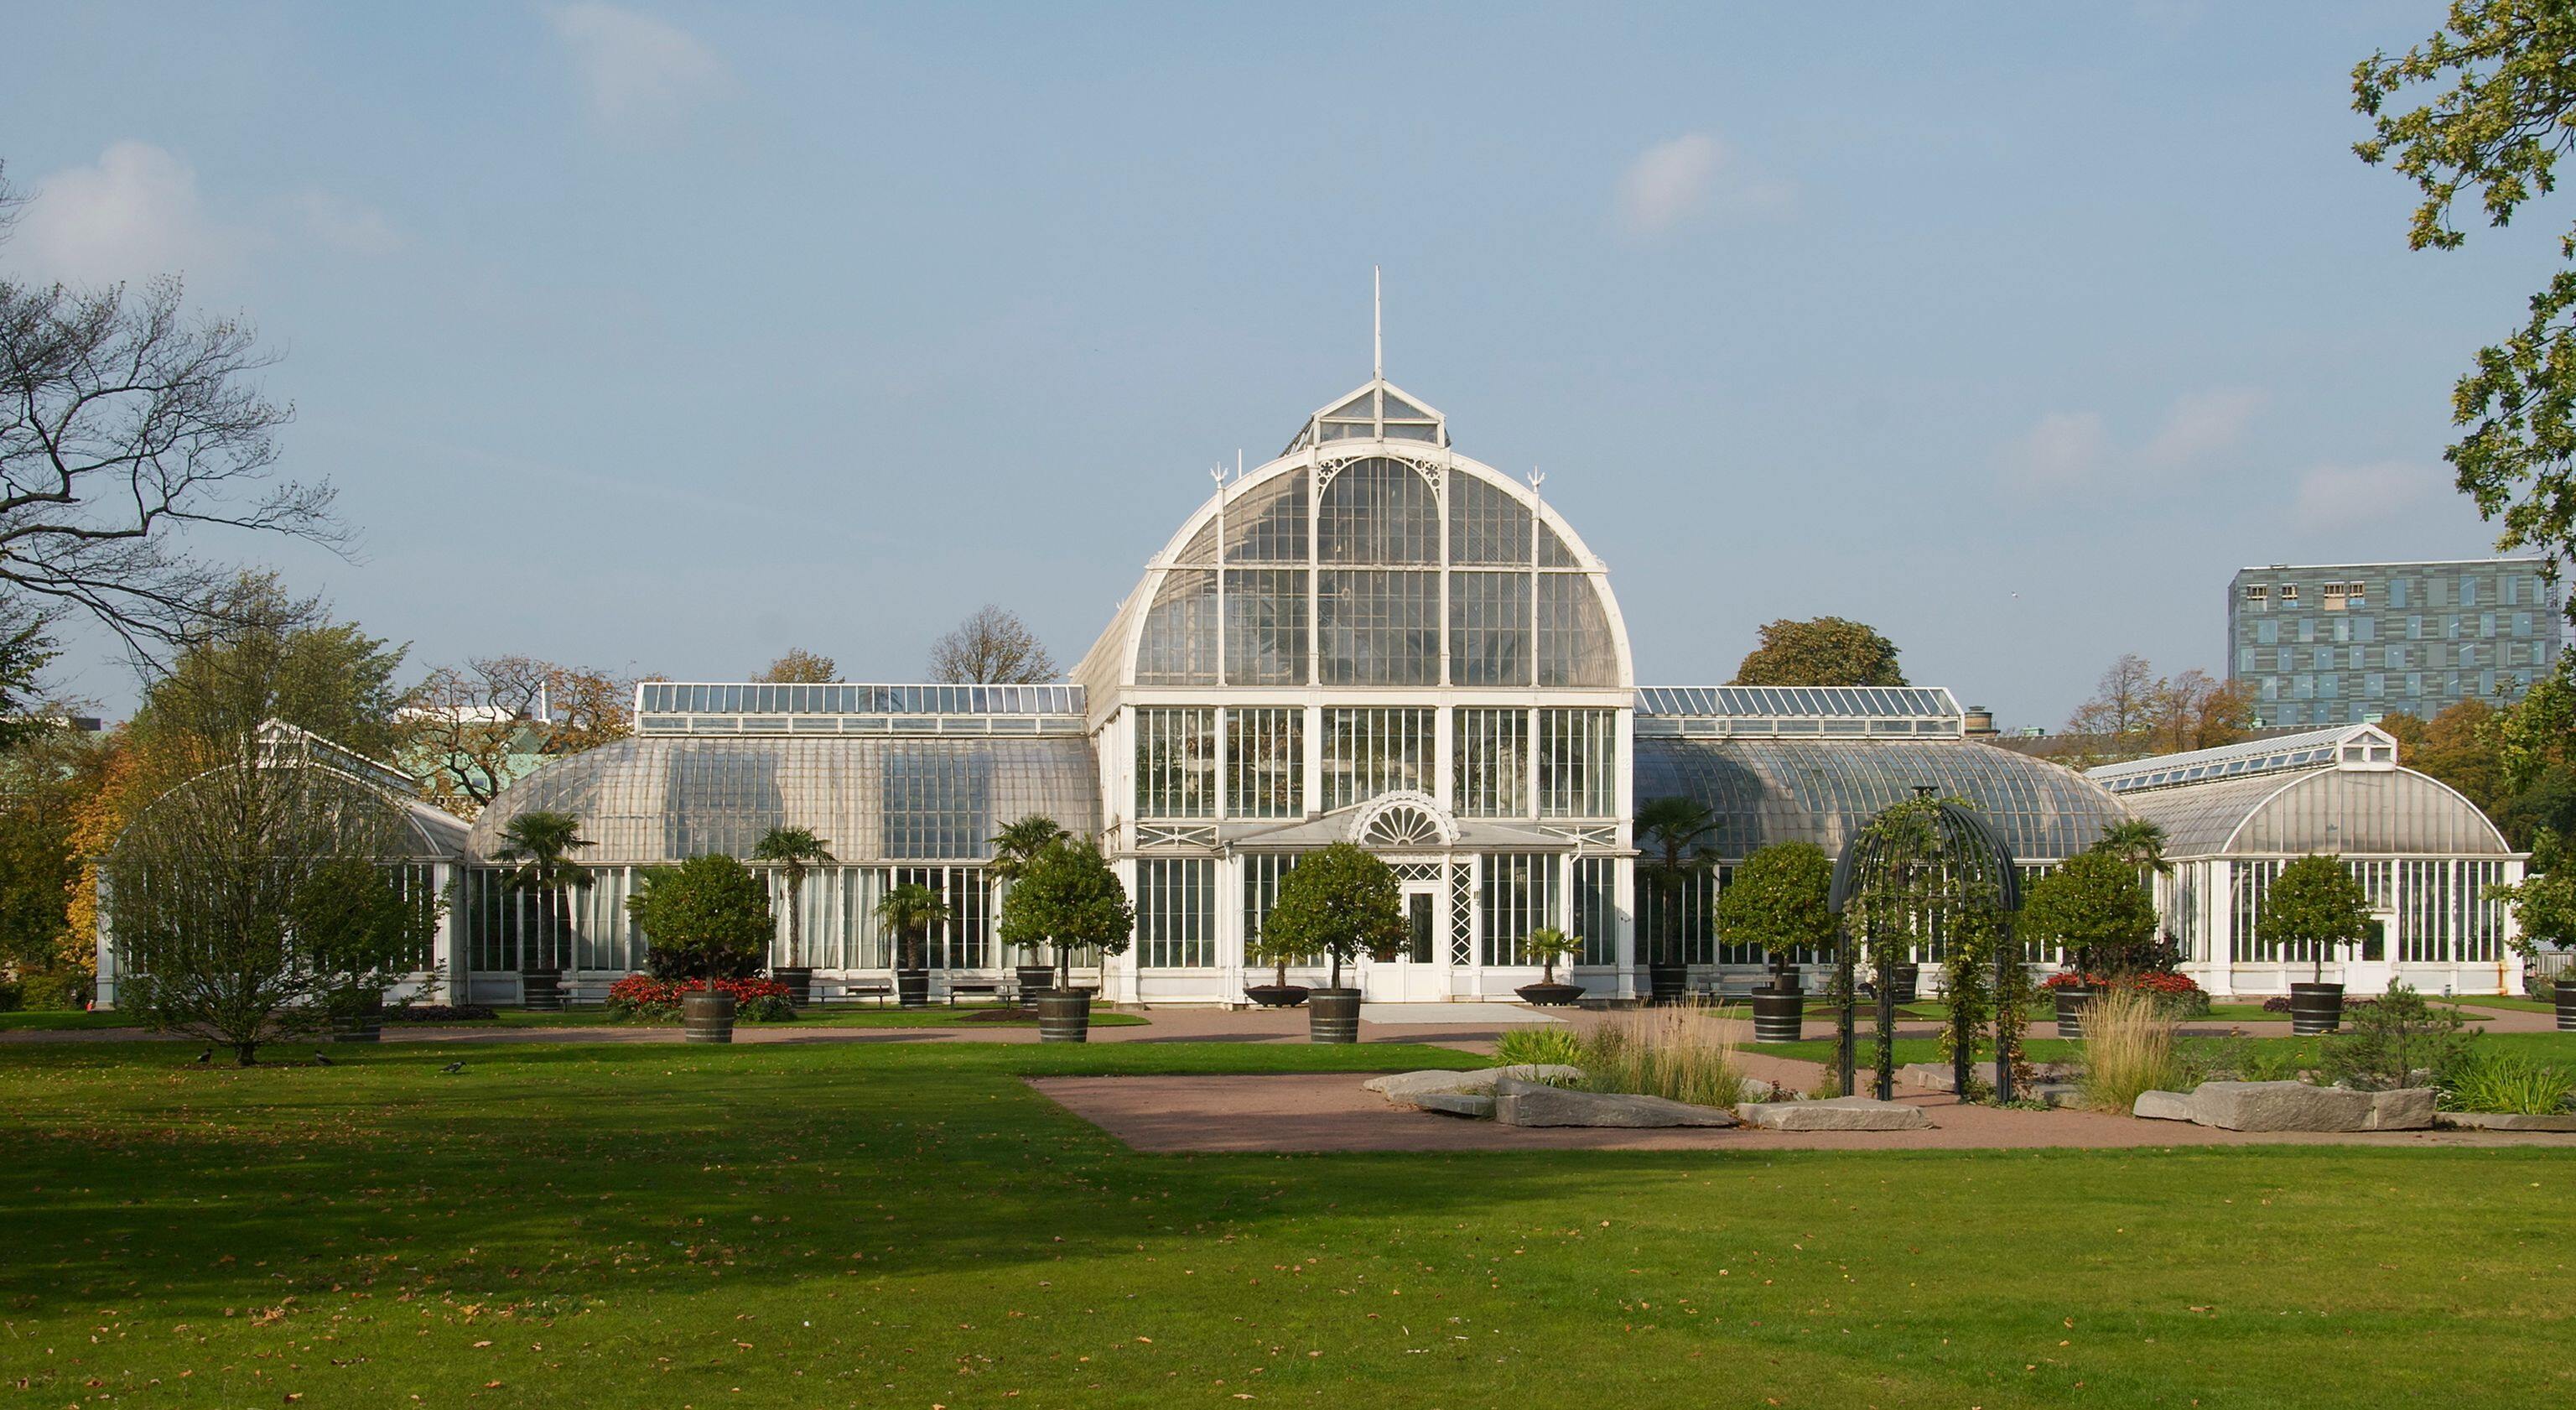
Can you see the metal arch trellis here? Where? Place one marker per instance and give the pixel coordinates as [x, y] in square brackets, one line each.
[1933, 869]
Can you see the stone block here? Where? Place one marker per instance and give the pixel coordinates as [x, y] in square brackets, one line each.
[1519, 1103]
[1834, 1114]
[2163, 1106]
[2508, 1121]
[1928, 1076]
[1467, 1104]
[2279, 1106]
[2405, 1109]
[1401, 1087]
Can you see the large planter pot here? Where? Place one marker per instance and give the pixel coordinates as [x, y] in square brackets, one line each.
[2316, 1008]
[2072, 1001]
[1332, 1015]
[1033, 980]
[1779, 1015]
[541, 989]
[799, 979]
[2565, 998]
[1550, 996]
[706, 1017]
[1276, 996]
[1064, 1016]
[912, 988]
[1905, 981]
[1667, 983]
[366, 1024]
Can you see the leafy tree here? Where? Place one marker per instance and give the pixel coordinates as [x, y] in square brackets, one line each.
[471, 730]
[1069, 894]
[25, 651]
[2462, 746]
[794, 851]
[2133, 712]
[1780, 898]
[1673, 833]
[257, 654]
[2315, 903]
[249, 903]
[126, 429]
[909, 911]
[1339, 902]
[2544, 901]
[2097, 908]
[707, 918]
[1822, 651]
[2499, 113]
[47, 781]
[992, 647]
[538, 846]
[800, 667]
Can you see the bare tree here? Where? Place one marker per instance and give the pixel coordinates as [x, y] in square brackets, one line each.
[2114, 722]
[468, 729]
[800, 667]
[124, 424]
[993, 647]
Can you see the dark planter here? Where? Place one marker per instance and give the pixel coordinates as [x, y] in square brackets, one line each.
[1033, 980]
[1779, 1015]
[706, 1017]
[912, 988]
[799, 979]
[1276, 996]
[1667, 983]
[1906, 980]
[2071, 1004]
[1332, 1015]
[2565, 997]
[541, 989]
[365, 1025]
[1550, 996]
[1064, 1016]
[2315, 1008]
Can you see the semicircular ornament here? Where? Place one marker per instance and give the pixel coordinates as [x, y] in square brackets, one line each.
[1403, 820]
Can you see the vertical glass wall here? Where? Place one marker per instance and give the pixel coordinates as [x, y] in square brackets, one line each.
[1175, 913]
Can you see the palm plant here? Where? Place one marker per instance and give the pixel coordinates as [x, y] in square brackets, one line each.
[795, 851]
[539, 847]
[1674, 832]
[2138, 842]
[909, 911]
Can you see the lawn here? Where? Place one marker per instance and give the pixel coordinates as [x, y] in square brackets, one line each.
[2504, 1001]
[888, 1224]
[936, 1016]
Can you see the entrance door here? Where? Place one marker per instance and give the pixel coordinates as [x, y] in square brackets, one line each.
[1419, 972]
[2368, 967]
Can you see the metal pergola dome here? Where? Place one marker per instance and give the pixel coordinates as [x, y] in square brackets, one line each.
[1959, 832]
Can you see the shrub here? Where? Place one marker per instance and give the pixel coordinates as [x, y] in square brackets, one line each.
[2400, 1041]
[641, 998]
[12, 994]
[1552, 1044]
[2128, 1049]
[60, 989]
[1682, 1051]
[2507, 1082]
[2175, 995]
[2236, 1060]
[707, 918]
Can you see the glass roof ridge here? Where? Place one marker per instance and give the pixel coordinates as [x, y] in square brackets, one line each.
[1376, 410]
[1797, 700]
[855, 698]
[2285, 753]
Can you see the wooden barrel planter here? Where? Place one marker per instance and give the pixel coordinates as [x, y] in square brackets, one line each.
[2564, 995]
[541, 989]
[706, 1017]
[1033, 980]
[1779, 1015]
[365, 1024]
[1064, 1016]
[1668, 983]
[912, 988]
[2315, 1008]
[799, 979]
[1332, 1015]
[2071, 1004]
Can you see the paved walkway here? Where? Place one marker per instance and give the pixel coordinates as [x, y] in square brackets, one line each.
[1311, 1112]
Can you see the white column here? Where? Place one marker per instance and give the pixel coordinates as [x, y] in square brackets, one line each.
[107, 975]
[1624, 890]
[447, 947]
[2218, 910]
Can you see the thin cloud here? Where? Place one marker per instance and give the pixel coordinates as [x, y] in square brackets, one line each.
[132, 214]
[2345, 496]
[2200, 425]
[2067, 449]
[1673, 183]
[634, 67]
[348, 225]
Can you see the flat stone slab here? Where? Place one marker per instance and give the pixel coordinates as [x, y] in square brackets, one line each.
[1834, 1114]
[2405, 1109]
[1402, 1087]
[2162, 1106]
[2280, 1106]
[2508, 1121]
[1520, 1103]
[1467, 1104]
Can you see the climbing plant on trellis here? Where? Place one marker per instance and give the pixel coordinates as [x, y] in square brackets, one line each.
[1929, 875]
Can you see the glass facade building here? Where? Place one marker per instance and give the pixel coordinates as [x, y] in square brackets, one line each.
[2347, 643]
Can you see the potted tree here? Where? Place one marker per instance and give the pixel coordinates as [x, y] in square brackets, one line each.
[1067, 893]
[794, 851]
[1781, 898]
[1338, 902]
[2098, 909]
[1548, 945]
[1674, 833]
[1014, 848]
[707, 921]
[538, 847]
[2315, 904]
[909, 911]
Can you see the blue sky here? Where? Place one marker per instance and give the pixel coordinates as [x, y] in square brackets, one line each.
[666, 336]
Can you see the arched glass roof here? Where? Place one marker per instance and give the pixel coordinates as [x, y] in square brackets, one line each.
[650, 800]
[2363, 811]
[1823, 791]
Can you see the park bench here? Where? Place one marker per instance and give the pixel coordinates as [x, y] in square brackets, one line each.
[851, 993]
[989, 988]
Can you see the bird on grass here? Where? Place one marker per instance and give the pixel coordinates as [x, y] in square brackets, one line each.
[321, 1058]
[205, 1057]
[453, 1067]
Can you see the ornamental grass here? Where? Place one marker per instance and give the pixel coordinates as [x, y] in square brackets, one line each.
[1682, 1051]
[2128, 1049]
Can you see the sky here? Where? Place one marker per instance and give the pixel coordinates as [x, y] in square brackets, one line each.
[662, 337]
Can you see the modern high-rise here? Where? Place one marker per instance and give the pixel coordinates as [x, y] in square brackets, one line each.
[2345, 643]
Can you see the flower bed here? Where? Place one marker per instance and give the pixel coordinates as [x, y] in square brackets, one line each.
[2176, 995]
[640, 998]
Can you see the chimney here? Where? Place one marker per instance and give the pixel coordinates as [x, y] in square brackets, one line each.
[1980, 722]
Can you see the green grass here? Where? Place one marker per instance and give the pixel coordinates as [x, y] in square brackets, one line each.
[37, 1020]
[2514, 1002]
[904, 1225]
[937, 1016]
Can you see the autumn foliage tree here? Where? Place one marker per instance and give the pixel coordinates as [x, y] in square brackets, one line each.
[1821, 651]
[469, 730]
[800, 667]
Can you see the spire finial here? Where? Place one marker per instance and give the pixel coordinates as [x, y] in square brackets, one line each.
[1377, 323]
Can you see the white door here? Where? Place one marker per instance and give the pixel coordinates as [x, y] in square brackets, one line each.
[2369, 966]
[1419, 971]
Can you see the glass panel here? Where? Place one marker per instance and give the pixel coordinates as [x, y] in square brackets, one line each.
[1265, 626]
[1489, 628]
[1520, 896]
[1578, 763]
[1491, 773]
[1179, 644]
[1267, 523]
[1265, 762]
[1379, 628]
[1368, 752]
[1596, 909]
[1574, 644]
[1487, 524]
[1378, 511]
[1175, 913]
[1176, 762]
